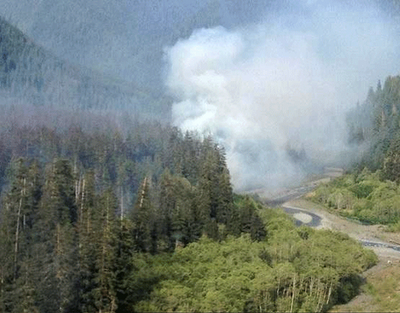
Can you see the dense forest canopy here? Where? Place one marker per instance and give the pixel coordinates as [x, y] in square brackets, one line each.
[107, 207]
[99, 218]
[375, 124]
[104, 231]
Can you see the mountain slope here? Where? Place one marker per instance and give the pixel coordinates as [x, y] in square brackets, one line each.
[30, 72]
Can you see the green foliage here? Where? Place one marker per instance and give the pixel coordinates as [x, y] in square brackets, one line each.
[394, 227]
[246, 218]
[374, 126]
[16, 232]
[67, 248]
[364, 197]
[187, 242]
[290, 272]
[103, 213]
[85, 200]
[381, 289]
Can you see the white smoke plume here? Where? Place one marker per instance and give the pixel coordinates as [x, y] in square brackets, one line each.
[287, 81]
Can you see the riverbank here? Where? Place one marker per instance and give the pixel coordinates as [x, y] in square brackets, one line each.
[381, 291]
[372, 233]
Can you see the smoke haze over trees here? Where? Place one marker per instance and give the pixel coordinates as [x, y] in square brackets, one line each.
[263, 78]
[287, 81]
[126, 126]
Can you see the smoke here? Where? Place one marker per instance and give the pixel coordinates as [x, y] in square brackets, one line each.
[286, 82]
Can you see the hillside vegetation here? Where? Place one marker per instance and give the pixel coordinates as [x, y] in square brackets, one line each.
[380, 293]
[297, 270]
[371, 193]
[30, 73]
[364, 196]
[374, 127]
[99, 218]
[105, 211]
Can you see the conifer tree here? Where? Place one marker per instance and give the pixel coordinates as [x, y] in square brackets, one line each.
[105, 229]
[190, 166]
[86, 227]
[56, 264]
[225, 198]
[166, 205]
[142, 218]
[123, 266]
[17, 238]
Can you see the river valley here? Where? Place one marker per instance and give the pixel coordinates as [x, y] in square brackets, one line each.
[382, 289]
[294, 202]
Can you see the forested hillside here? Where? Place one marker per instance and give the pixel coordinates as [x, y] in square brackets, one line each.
[371, 191]
[100, 219]
[78, 204]
[105, 210]
[375, 124]
[29, 72]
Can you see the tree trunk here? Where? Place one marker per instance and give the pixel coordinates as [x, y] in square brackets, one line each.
[122, 203]
[329, 293]
[82, 201]
[293, 293]
[17, 230]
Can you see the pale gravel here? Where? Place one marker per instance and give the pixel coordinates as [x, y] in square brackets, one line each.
[303, 217]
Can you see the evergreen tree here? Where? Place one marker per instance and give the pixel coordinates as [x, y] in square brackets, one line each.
[225, 199]
[17, 238]
[166, 205]
[142, 218]
[190, 158]
[123, 266]
[104, 293]
[56, 257]
[86, 227]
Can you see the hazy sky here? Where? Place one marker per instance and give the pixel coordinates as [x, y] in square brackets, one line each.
[124, 38]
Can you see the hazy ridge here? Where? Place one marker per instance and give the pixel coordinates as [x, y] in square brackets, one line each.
[33, 74]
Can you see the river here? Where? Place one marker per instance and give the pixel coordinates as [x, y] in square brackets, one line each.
[307, 213]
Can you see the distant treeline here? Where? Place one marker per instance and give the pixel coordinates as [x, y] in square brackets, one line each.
[371, 192]
[374, 126]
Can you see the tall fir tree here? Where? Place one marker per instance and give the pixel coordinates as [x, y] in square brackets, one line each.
[17, 238]
[142, 218]
[57, 261]
[106, 245]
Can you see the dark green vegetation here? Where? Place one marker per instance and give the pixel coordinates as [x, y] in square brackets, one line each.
[103, 211]
[380, 293]
[371, 193]
[374, 127]
[145, 220]
[78, 205]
